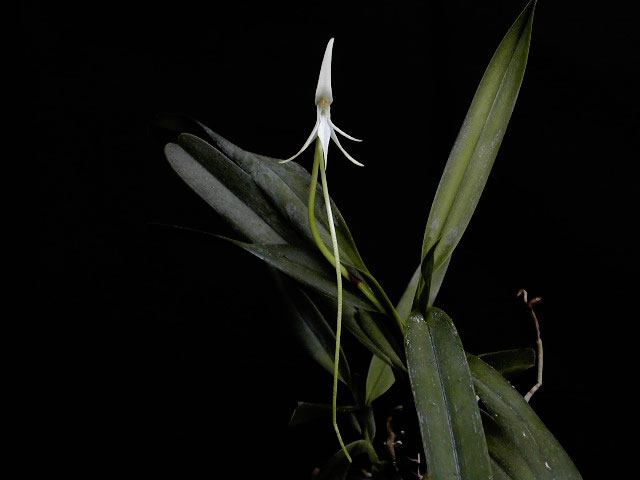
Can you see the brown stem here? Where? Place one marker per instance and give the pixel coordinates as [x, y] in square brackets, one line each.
[530, 304]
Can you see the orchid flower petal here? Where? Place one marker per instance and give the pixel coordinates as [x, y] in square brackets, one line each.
[311, 138]
[323, 91]
[335, 139]
[344, 134]
[324, 134]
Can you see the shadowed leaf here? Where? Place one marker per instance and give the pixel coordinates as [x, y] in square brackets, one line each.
[379, 379]
[476, 147]
[510, 362]
[230, 191]
[303, 266]
[448, 414]
[519, 425]
[312, 330]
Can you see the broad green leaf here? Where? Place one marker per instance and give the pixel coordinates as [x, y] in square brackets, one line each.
[287, 186]
[448, 413]
[510, 362]
[303, 266]
[506, 462]
[312, 330]
[406, 301]
[498, 472]
[229, 190]
[351, 324]
[477, 144]
[519, 425]
[436, 280]
[376, 328]
[338, 466]
[379, 379]
[309, 412]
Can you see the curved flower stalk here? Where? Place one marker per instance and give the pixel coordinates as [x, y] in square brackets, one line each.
[323, 131]
[324, 128]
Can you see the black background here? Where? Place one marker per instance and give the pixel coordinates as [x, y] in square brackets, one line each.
[174, 351]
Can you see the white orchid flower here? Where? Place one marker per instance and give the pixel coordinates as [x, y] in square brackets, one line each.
[324, 128]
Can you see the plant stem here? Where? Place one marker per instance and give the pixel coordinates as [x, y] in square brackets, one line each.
[319, 163]
[312, 211]
[362, 286]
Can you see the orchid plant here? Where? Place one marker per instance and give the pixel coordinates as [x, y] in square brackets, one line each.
[473, 424]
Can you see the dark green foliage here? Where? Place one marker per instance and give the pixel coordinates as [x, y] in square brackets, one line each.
[415, 345]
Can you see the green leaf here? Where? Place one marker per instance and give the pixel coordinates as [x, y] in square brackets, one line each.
[506, 462]
[306, 268]
[338, 466]
[352, 325]
[448, 413]
[498, 472]
[367, 422]
[312, 330]
[379, 379]
[406, 301]
[519, 425]
[229, 190]
[310, 412]
[287, 186]
[375, 326]
[510, 362]
[476, 146]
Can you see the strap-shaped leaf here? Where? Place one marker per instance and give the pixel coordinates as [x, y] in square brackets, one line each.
[476, 146]
[229, 190]
[498, 472]
[511, 362]
[519, 425]
[350, 322]
[376, 327]
[305, 267]
[287, 186]
[506, 462]
[406, 300]
[379, 379]
[312, 330]
[448, 413]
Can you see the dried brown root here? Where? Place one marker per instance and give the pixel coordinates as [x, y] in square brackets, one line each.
[530, 304]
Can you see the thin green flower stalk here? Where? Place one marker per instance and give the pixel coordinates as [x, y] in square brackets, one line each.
[362, 286]
[324, 130]
[336, 254]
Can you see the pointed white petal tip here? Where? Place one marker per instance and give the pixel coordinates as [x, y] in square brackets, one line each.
[323, 91]
[344, 134]
[311, 138]
[353, 160]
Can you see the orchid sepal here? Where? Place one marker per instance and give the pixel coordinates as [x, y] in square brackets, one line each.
[324, 128]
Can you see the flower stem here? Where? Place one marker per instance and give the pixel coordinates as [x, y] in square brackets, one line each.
[319, 163]
[362, 286]
[312, 211]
